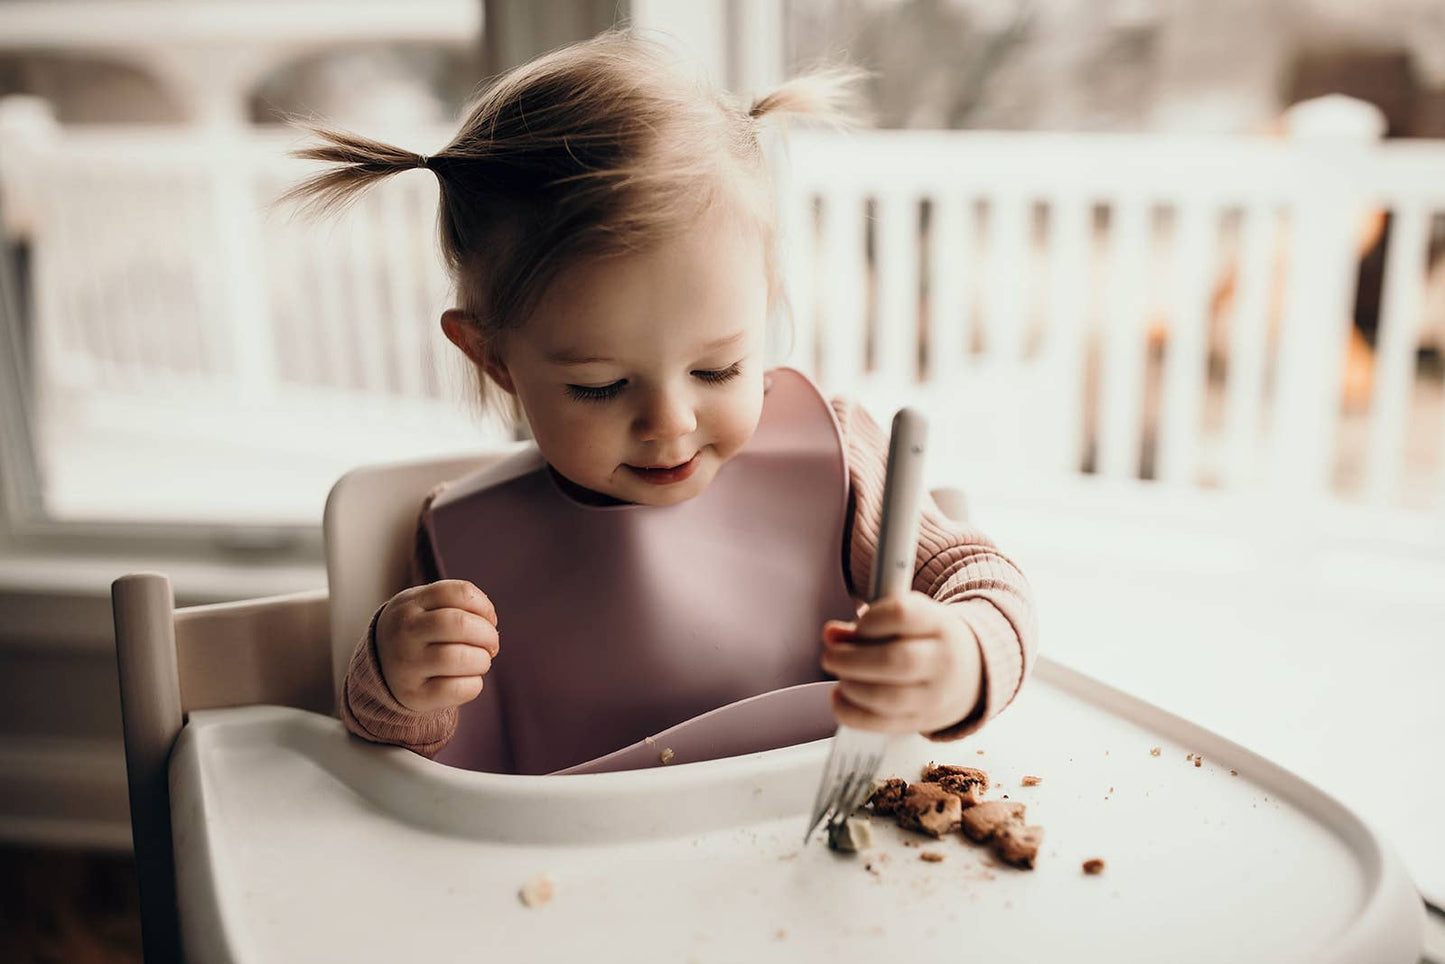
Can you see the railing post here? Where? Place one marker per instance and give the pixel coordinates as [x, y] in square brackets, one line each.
[238, 246]
[1334, 133]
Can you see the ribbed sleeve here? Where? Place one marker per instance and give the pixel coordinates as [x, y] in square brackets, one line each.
[956, 565]
[368, 707]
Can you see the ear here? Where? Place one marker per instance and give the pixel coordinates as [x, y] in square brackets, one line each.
[461, 330]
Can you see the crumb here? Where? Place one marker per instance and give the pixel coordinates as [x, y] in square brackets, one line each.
[537, 891]
[781, 935]
[928, 808]
[1032, 781]
[1199, 761]
[1234, 773]
[1018, 845]
[1094, 866]
[966, 783]
[887, 795]
[1111, 789]
[1154, 752]
[851, 835]
[911, 843]
[932, 856]
[666, 755]
[649, 741]
[1189, 756]
[985, 820]
[979, 752]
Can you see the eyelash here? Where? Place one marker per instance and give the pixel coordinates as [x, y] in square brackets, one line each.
[603, 393]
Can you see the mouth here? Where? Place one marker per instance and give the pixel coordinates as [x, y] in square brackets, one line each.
[665, 474]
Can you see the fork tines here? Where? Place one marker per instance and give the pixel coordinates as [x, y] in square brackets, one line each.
[847, 781]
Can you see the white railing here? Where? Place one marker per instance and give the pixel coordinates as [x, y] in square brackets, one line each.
[1015, 284]
[1054, 299]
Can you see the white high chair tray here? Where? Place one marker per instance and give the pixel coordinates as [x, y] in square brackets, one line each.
[297, 842]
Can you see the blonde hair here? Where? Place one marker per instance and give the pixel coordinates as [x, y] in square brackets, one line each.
[600, 148]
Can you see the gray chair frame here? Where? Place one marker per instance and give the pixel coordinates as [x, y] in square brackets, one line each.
[274, 650]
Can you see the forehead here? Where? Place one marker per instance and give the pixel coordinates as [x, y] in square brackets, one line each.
[678, 297]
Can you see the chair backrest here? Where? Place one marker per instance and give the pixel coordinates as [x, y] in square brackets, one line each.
[370, 532]
[271, 650]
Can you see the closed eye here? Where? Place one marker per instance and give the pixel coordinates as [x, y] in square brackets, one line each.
[599, 393]
[719, 375]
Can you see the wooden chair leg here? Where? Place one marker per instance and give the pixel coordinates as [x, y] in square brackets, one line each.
[150, 699]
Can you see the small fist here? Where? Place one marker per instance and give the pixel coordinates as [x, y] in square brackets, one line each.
[435, 643]
[908, 665]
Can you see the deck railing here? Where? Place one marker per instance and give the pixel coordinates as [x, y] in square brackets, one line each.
[1128, 306]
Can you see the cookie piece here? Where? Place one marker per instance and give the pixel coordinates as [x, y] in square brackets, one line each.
[1094, 865]
[928, 808]
[887, 795]
[983, 821]
[966, 783]
[1018, 845]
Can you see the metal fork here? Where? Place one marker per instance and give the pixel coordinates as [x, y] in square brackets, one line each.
[857, 754]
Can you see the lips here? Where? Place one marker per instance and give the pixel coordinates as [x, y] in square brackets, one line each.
[665, 474]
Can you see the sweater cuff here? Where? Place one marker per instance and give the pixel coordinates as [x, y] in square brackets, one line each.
[1000, 665]
[372, 712]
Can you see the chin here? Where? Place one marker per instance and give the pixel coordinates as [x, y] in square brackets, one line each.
[671, 495]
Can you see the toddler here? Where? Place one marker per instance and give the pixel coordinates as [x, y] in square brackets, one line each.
[689, 525]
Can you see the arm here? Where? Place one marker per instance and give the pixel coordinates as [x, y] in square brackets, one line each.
[957, 567]
[368, 707]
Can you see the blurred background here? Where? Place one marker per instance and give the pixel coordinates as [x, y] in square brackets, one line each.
[1168, 276]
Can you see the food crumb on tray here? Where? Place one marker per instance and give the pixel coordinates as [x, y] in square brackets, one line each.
[1018, 845]
[537, 891]
[1199, 761]
[966, 783]
[887, 795]
[851, 835]
[1032, 781]
[1093, 866]
[1155, 751]
[932, 856]
[980, 823]
[666, 755]
[929, 808]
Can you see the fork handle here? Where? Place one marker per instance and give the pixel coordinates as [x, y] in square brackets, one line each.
[902, 505]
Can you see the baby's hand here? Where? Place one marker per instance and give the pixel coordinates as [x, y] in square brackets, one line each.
[435, 643]
[908, 665]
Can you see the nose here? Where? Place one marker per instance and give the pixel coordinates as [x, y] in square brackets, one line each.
[665, 414]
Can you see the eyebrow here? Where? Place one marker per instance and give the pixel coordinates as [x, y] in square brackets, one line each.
[565, 356]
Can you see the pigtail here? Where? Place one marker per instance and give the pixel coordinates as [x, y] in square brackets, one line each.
[356, 163]
[829, 96]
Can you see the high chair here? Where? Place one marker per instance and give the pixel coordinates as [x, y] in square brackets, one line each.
[260, 811]
[289, 650]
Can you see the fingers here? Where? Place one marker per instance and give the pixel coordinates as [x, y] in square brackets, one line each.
[883, 699]
[455, 659]
[851, 714]
[454, 594]
[912, 614]
[432, 626]
[444, 692]
[900, 661]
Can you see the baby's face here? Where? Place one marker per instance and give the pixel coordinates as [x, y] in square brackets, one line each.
[641, 375]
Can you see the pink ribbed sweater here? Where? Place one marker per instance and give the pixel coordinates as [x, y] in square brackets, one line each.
[956, 565]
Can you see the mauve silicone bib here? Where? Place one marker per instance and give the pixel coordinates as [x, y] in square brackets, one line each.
[620, 621]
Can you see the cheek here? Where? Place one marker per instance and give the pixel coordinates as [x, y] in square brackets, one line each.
[567, 432]
[738, 418]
